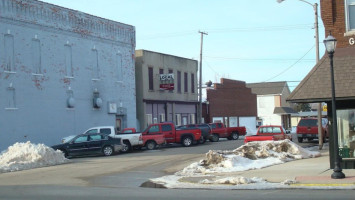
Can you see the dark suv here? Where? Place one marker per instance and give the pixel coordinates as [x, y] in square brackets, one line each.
[205, 131]
[307, 128]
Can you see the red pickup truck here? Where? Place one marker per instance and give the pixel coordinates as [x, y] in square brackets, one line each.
[172, 135]
[220, 131]
[271, 132]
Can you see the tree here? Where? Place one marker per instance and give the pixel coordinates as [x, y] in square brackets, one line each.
[302, 107]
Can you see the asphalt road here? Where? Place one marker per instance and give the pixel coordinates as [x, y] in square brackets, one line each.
[120, 177]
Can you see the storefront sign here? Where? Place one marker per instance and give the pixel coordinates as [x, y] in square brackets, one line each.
[351, 41]
[167, 81]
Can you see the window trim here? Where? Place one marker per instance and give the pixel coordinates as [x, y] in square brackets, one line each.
[348, 31]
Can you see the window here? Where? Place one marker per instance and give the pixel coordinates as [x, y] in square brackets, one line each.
[171, 72]
[346, 133]
[81, 139]
[185, 82]
[95, 137]
[106, 131]
[178, 119]
[192, 118]
[179, 81]
[192, 83]
[154, 129]
[150, 74]
[162, 117]
[149, 119]
[350, 15]
[166, 127]
[9, 52]
[68, 61]
[95, 64]
[161, 71]
[92, 131]
[119, 67]
[36, 56]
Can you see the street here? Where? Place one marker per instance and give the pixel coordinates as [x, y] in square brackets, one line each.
[120, 177]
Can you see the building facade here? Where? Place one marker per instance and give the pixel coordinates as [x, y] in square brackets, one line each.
[338, 18]
[61, 72]
[272, 106]
[166, 88]
[232, 103]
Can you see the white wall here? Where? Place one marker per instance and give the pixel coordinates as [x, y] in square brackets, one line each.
[266, 107]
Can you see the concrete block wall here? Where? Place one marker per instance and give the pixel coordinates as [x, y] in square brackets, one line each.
[56, 53]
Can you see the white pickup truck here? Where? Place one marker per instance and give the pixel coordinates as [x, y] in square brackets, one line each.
[129, 140]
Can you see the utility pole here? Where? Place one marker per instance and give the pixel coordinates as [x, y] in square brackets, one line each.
[199, 115]
[320, 124]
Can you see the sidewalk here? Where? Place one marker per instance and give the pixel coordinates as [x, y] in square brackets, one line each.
[313, 172]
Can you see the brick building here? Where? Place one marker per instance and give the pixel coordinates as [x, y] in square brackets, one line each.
[166, 88]
[338, 18]
[232, 103]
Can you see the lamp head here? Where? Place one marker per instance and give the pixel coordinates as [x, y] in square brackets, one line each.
[330, 43]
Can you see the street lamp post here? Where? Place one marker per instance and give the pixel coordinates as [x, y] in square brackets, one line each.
[330, 44]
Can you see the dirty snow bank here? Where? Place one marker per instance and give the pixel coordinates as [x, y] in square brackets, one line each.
[253, 155]
[22, 156]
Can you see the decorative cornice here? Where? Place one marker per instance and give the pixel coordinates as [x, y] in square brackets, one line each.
[40, 13]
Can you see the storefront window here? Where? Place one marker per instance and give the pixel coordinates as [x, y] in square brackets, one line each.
[346, 133]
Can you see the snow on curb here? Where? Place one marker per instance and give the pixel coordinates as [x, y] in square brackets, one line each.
[23, 156]
[253, 155]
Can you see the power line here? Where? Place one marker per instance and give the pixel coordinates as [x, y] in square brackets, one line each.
[290, 66]
[258, 59]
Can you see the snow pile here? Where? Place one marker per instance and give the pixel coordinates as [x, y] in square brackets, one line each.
[22, 156]
[253, 155]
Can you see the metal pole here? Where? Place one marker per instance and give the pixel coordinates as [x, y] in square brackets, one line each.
[320, 135]
[199, 115]
[337, 174]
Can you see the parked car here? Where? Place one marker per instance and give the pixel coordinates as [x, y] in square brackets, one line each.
[90, 144]
[129, 140]
[174, 135]
[206, 131]
[307, 128]
[270, 132]
[231, 133]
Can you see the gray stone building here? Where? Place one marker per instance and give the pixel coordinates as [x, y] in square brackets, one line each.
[61, 72]
[166, 88]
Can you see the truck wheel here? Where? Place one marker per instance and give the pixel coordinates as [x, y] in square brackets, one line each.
[214, 138]
[126, 147]
[107, 150]
[187, 141]
[235, 136]
[300, 140]
[150, 145]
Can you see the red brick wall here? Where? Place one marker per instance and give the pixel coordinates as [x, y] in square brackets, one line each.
[231, 98]
[333, 16]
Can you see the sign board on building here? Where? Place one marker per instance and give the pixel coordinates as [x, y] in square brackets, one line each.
[167, 81]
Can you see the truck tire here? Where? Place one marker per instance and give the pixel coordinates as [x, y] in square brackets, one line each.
[214, 138]
[235, 136]
[187, 141]
[300, 140]
[150, 145]
[126, 147]
[107, 150]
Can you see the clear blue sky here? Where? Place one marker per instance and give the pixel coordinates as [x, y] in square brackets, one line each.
[248, 40]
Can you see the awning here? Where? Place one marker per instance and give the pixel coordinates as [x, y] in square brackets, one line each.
[284, 110]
